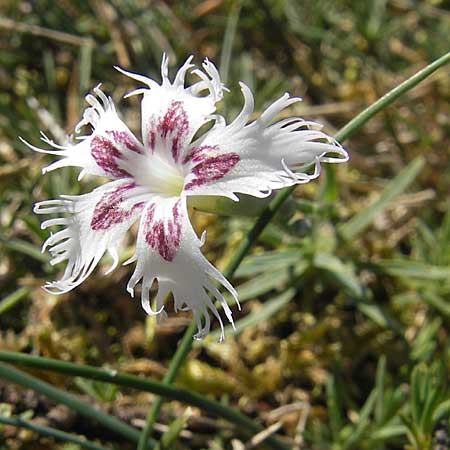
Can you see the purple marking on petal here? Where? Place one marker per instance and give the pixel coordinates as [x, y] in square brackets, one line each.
[108, 212]
[172, 128]
[164, 241]
[152, 138]
[212, 168]
[198, 154]
[105, 154]
[126, 139]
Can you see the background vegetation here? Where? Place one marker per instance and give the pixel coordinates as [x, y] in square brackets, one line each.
[342, 342]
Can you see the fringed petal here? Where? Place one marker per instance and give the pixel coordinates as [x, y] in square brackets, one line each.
[168, 252]
[173, 113]
[94, 223]
[255, 158]
[106, 151]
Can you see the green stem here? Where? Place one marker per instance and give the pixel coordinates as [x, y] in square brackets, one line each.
[248, 426]
[50, 432]
[390, 97]
[176, 361]
[59, 396]
[269, 212]
[13, 299]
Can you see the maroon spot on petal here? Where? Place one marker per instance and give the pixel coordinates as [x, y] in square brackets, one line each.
[105, 154]
[108, 211]
[151, 140]
[212, 168]
[172, 128]
[197, 154]
[125, 139]
[163, 235]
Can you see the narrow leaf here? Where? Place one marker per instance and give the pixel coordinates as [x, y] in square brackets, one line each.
[262, 314]
[12, 299]
[363, 219]
[50, 432]
[413, 269]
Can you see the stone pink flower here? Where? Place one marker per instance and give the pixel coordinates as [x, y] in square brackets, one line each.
[151, 181]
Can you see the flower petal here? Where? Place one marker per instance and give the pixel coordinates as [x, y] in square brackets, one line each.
[94, 223]
[105, 151]
[260, 156]
[168, 251]
[173, 113]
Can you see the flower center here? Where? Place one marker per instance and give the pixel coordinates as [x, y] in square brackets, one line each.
[159, 176]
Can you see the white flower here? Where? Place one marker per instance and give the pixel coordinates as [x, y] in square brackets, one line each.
[152, 180]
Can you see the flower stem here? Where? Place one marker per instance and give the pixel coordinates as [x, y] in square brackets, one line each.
[271, 209]
[180, 355]
[384, 101]
[247, 425]
[59, 396]
[50, 432]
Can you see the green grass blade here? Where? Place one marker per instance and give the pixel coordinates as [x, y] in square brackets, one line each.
[343, 275]
[168, 379]
[432, 400]
[86, 53]
[334, 407]
[228, 40]
[16, 376]
[441, 411]
[378, 315]
[168, 439]
[50, 432]
[27, 248]
[11, 300]
[395, 187]
[390, 97]
[388, 432]
[436, 301]
[363, 422]
[406, 268]
[265, 312]
[380, 383]
[248, 426]
[261, 284]
[328, 192]
[255, 264]
[416, 397]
